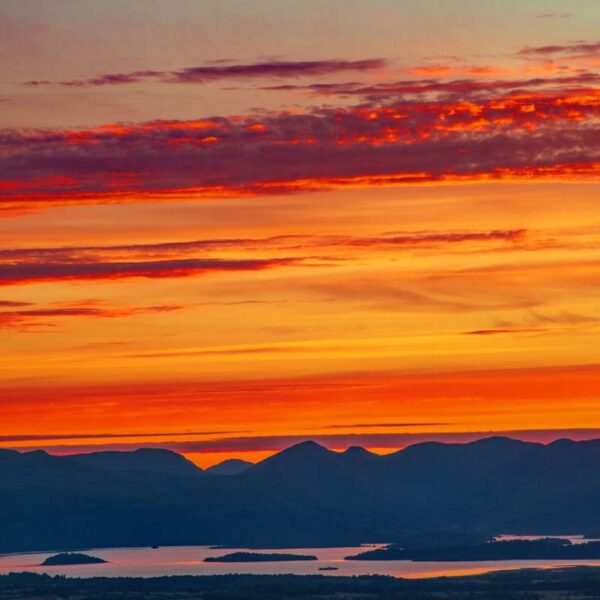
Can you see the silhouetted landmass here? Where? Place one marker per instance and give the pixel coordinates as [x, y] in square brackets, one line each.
[232, 466]
[71, 558]
[328, 569]
[441, 539]
[553, 584]
[280, 546]
[141, 461]
[245, 557]
[305, 496]
[544, 549]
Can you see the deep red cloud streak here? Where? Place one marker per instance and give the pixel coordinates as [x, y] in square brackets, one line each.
[22, 273]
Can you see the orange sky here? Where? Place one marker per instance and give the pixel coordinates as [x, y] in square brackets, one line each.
[224, 256]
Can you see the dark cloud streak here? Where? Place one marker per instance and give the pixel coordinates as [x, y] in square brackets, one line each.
[40, 319]
[439, 88]
[22, 273]
[382, 425]
[274, 443]
[569, 49]
[408, 240]
[25, 437]
[216, 71]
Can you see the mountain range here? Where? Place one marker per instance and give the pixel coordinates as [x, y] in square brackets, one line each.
[305, 495]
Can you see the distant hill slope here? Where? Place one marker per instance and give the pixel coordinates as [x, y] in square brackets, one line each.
[232, 466]
[305, 495]
[154, 460]
[542, 549]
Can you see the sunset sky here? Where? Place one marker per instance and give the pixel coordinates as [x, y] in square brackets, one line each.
[230, 225]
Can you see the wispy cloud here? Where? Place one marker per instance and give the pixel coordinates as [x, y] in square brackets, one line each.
[228, 351]
[535, 322]
[506, 331]
[41, 437]
[40, 319]
[443, 89]
[14, 304]
[552, 15]
[382, 425]
[179, 259]
[420, 295]
[26, 273]
[216, 71]
[179, 249]
[274, 443]
[579, 48]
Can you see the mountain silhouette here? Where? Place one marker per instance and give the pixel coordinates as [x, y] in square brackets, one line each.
[232, 466]
[305, 495]
[156, 460]
[358, 455]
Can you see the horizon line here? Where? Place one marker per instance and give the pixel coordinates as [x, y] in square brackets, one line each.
[544, 437]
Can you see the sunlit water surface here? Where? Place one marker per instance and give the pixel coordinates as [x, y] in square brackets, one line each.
[189, 560]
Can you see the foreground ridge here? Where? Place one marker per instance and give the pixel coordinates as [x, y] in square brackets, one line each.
[574, 583]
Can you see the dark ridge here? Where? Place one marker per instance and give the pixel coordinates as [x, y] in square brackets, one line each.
[143, 459]
[358, 452]
[232, 466]
[543, 549]
[6, 454]
[307, 453]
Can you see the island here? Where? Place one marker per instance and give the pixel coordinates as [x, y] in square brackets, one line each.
[240, 557]
[71, 558]
[542, 549]
[328, 569]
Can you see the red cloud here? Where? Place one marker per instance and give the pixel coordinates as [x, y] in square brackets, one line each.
[37, 272]
[38, 319]
[99, 254]
[506, 331]
[531, 133]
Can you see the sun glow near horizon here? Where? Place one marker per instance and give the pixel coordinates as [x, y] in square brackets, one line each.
[227, 255]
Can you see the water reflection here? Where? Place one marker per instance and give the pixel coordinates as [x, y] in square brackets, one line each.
[188, 560]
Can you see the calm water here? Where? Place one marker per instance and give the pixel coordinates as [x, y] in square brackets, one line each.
[188, 560]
